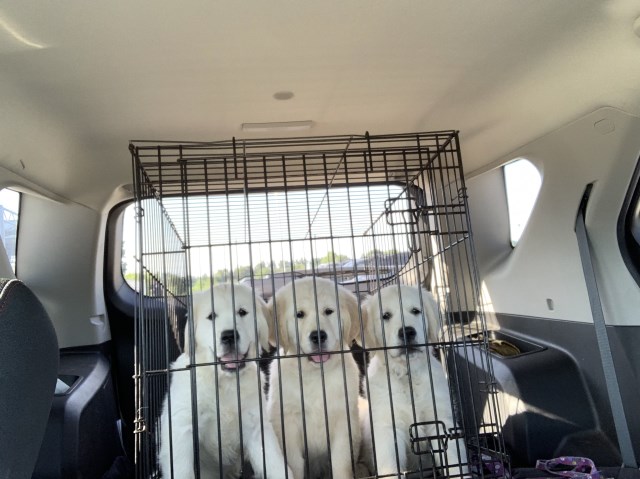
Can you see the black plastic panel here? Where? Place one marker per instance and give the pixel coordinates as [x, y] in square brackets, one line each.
[82, 438]
[555, 389]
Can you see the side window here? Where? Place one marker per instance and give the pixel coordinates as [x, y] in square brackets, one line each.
[522, 181]
[10, 208]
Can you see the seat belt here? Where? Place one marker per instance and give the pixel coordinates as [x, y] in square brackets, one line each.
[613, 388]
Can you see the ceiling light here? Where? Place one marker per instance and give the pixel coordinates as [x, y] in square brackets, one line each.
[278, 126]
[283, 95]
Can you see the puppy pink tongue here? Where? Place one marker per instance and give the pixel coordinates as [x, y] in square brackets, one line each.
[230, 360]
[320, 358]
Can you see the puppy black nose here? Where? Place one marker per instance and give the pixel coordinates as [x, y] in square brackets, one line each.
[408, 333]
[318, 337]
[229, 336]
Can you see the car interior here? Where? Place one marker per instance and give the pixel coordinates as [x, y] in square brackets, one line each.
[485, 151]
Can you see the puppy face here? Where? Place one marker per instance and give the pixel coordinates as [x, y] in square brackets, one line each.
[226, 319]
[398, 318]
[313, 320]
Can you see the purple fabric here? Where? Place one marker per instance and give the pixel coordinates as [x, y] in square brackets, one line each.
[496, 468]
[581, 467]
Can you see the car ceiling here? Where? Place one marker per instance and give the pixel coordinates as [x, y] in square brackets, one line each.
[79, 79]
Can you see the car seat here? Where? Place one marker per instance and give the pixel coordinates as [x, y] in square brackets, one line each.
[28, 373]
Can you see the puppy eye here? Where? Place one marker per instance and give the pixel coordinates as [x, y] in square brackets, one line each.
[328, 311]
[300, 314]
[242, 312]
[386, 316]
[415, 311]
[212, 316]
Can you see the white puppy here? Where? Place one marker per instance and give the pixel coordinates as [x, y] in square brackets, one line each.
[231, 324]
[313, 403]
[402, 319]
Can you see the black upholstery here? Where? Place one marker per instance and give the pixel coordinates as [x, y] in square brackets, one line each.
[28, 372]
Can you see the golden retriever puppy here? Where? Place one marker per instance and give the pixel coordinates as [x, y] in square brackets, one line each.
[313, 400]
[231, 325]
[400, 384]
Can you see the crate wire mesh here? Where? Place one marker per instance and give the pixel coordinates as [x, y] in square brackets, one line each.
[364, 212]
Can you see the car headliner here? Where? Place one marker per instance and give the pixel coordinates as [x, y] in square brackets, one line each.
[80, 79]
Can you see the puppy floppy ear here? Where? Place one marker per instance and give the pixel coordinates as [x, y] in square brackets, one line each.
[350, 323]
[187, 334]
[264, 321]
[199, 302]
[371, 314]
[278, 306]
[432, 314]
[271, 322]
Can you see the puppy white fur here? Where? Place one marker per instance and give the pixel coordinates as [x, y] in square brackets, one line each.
[403, 319]
[316, 317]
[231, 324]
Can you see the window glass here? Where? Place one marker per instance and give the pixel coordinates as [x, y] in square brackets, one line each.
[266, 236]
[129, 263]
[522, 182]
[10, 208]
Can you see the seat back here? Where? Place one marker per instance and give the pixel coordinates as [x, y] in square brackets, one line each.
[28, 371]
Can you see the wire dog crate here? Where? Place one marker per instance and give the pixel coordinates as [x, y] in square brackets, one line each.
[362, 213]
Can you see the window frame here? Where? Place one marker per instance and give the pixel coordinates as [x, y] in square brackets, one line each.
[628, 221]
[127, 294]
